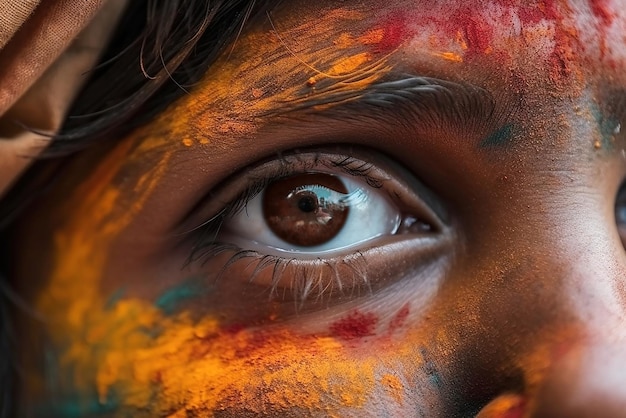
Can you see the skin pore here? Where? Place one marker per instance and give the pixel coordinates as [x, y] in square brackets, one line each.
[492, 129]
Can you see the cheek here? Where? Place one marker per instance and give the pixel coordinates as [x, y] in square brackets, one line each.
[141, 355]
[140, 359]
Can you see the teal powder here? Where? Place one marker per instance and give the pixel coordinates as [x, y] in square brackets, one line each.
[114, 298]
[72, 404]
[171, 300]
[76, 407]
[607, 127]
[500, 138]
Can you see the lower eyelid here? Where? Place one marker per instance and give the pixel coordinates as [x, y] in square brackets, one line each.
[301, 286]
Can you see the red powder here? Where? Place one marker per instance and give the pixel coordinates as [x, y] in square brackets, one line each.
[395, 31]
[551, 11]
[563, 55]
[478, 34]
[400, 318]
[530, 15]
[559, 65]
[600, 9]
[355, 325]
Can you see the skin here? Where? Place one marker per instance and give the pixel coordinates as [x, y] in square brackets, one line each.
[515, 309]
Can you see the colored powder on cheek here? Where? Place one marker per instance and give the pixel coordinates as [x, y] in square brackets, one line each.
[399, 318]
[172, 299]
[355, 325]
[393, 386]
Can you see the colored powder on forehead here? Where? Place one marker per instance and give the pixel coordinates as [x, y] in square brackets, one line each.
[550, 9]
[394, 32]
[501, 137]
[372, 37]
[601, 11]
[478, 33]
[530, 15]
[349, 64]
[567, 45]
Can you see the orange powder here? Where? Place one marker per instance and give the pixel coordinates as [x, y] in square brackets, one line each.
[135, 356]
[449, 56]
[394, 387]
[372, 37]
[350, 64]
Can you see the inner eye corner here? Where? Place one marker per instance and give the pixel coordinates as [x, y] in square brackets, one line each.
[416, 224]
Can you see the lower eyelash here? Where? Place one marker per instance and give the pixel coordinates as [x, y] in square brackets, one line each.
[314, 280]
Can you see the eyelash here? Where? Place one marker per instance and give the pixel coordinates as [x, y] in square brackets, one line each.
[349, 271]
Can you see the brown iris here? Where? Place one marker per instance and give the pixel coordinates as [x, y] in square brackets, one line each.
[306, 209]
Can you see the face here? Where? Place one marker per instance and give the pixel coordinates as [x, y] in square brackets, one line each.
[365, 208]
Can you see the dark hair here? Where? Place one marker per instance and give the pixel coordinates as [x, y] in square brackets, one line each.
[160, 49]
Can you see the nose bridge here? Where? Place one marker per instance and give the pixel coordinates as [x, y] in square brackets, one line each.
[576, 365]
[586, 376]
[578, 242]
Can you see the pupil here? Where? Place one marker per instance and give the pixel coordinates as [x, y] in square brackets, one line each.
[307, 204]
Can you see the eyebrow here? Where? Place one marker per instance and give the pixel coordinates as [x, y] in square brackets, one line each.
[408, 99]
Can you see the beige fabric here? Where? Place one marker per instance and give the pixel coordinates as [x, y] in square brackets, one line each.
[13, 13]
[46, 47]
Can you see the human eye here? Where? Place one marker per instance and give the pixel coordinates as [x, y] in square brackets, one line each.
[314, 230]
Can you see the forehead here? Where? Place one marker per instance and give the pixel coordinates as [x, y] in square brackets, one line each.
[546, 51]
[536, 60]
[561, 33]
